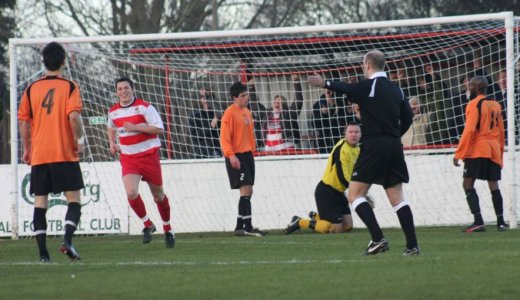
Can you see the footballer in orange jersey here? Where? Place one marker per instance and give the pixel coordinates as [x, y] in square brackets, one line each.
[52, 139]
[238, 143]
[482, 149]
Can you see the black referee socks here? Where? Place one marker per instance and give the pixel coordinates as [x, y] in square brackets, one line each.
[366, 214]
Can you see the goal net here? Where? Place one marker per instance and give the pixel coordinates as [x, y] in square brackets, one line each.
[186, 77]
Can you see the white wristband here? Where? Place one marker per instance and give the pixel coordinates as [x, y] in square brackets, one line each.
[80, 140]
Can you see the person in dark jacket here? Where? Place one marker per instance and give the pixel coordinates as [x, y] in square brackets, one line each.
[204, 127]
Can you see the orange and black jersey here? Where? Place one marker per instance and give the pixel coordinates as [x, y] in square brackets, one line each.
[236, 131]
[47, 103]
[483, 135]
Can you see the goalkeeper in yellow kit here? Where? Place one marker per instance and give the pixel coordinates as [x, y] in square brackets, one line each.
[333, 210]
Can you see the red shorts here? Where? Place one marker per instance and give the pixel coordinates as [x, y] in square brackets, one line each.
[148, 166]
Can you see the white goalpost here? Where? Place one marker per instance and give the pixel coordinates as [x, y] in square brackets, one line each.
[186, 76]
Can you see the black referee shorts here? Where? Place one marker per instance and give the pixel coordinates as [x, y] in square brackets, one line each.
[55, 178]
[331, 204]
[381, 161]
[482, 168]
[246, 174]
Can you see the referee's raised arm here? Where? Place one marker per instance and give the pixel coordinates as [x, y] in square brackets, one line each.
[337, 86]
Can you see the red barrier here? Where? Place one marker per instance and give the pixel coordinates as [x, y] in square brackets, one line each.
[286, 152]
[430, 147]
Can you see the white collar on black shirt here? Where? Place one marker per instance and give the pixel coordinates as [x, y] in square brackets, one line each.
[378, 74]
[374, 76]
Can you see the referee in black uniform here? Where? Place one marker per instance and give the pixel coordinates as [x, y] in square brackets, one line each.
[386, 116]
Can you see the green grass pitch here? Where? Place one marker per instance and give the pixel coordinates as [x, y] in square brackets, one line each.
[453, 265]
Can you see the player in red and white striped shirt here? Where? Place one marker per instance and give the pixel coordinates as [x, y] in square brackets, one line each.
[137, 125]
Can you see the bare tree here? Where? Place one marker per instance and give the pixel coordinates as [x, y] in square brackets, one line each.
[127, 16]
[154, 16]
[67, 17]
[460, 7]
[7, 25]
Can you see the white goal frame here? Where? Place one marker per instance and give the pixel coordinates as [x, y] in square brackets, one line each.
[511, 186]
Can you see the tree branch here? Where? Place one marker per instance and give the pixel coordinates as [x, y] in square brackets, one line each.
[76, 19]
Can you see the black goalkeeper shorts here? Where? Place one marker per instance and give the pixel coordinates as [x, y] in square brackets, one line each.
[331, 204]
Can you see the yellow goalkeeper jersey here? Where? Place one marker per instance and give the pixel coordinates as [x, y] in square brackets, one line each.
[340, 165]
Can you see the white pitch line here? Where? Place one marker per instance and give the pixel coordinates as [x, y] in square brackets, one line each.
[250, 241]
[192, 263]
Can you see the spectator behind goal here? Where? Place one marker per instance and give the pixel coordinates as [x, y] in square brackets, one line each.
[278, 123]
[204, 127]
[329, 115]
[416, 134]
